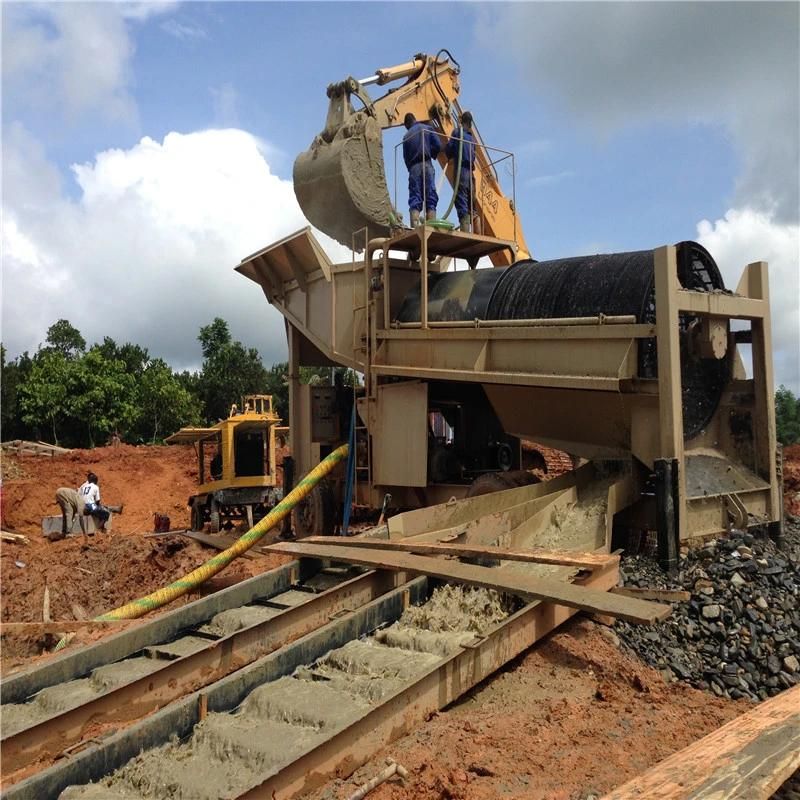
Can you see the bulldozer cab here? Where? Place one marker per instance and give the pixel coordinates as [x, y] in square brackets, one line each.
[238, 451]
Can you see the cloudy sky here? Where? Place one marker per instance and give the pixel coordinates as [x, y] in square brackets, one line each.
[148, 147]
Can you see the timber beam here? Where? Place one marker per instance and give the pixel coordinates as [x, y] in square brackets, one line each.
[527, 586]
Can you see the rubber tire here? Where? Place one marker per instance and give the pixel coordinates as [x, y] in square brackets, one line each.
[315, 515]
[213, 518]
[197, 521]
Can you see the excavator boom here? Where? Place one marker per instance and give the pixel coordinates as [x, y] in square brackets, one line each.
[340, 181]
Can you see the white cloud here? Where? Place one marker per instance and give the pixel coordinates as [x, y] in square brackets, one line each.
[70, 59]
[744, 236]
[731, 65]
[183, 31]
[146, 252]
[547, 180]
[71, 55]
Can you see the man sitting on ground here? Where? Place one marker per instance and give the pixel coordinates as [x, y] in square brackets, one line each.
[90, 494]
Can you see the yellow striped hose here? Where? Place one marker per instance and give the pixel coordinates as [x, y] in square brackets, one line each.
[178, 588]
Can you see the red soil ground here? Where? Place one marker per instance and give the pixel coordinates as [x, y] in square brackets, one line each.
[115, 567]
[570, 719]
[791, 479]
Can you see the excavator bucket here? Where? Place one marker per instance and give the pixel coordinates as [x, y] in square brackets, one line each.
[340, 183]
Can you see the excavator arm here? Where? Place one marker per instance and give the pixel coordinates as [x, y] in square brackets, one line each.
[340, 181]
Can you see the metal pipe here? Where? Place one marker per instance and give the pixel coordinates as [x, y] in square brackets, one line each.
[602, 319]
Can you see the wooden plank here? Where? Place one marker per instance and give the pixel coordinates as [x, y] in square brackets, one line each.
[661, 595]
[534, 556]
[561, 592]
[15, 538]
[65, 626]
[746, 759]
[217, 541]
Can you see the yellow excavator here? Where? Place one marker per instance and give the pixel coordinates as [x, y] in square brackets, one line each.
[340, 181]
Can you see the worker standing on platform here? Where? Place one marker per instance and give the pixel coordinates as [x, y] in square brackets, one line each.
[420, 146]
[464, 139]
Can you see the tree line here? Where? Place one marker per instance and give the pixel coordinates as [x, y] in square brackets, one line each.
[79, 396]
[76, 395]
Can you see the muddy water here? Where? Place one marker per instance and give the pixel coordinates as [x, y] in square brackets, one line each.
[228, 753]
[65, 696]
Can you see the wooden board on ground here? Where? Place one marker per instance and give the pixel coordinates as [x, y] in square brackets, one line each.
[662, 595]
[548, 590]
[535, 556]
[219, 541]
[65, 626]
[16, 538]
[22, 447]
[746, 759]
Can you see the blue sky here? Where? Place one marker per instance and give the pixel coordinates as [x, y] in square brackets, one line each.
[631, 125]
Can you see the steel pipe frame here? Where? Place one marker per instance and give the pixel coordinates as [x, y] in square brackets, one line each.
[189, 673]
[601, 319]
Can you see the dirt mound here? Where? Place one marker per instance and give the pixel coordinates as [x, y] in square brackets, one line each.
[791, 479]
[572, 717]
[147, 480]
[110, 572]
[114, 568]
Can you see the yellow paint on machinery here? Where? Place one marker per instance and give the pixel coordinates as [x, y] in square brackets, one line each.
[340, 180]
[574, 382]
[243, 459]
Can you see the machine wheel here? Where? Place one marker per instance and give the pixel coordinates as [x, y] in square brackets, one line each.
[197, 520]
[499, 481]
[315, 514]
[213, 519]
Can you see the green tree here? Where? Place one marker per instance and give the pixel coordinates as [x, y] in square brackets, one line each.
[787, 416]
[164, 404]
[278, 386]
[102, 396]
[44, 397]
[66, 339]
[13, 375]
[133, 356]
[230, 370]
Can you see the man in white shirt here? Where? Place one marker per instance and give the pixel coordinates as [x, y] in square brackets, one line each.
[89, 493]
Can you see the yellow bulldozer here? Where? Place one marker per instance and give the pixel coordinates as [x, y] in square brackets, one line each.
[237, 473]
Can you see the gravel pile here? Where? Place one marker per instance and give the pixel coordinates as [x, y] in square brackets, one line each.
[739, 634]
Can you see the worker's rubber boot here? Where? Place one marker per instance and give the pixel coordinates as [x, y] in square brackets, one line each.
[430, 213]
[414, 214]
[464, 224]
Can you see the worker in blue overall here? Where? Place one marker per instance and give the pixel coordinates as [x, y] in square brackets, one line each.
[420, 146]
[463, 136]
